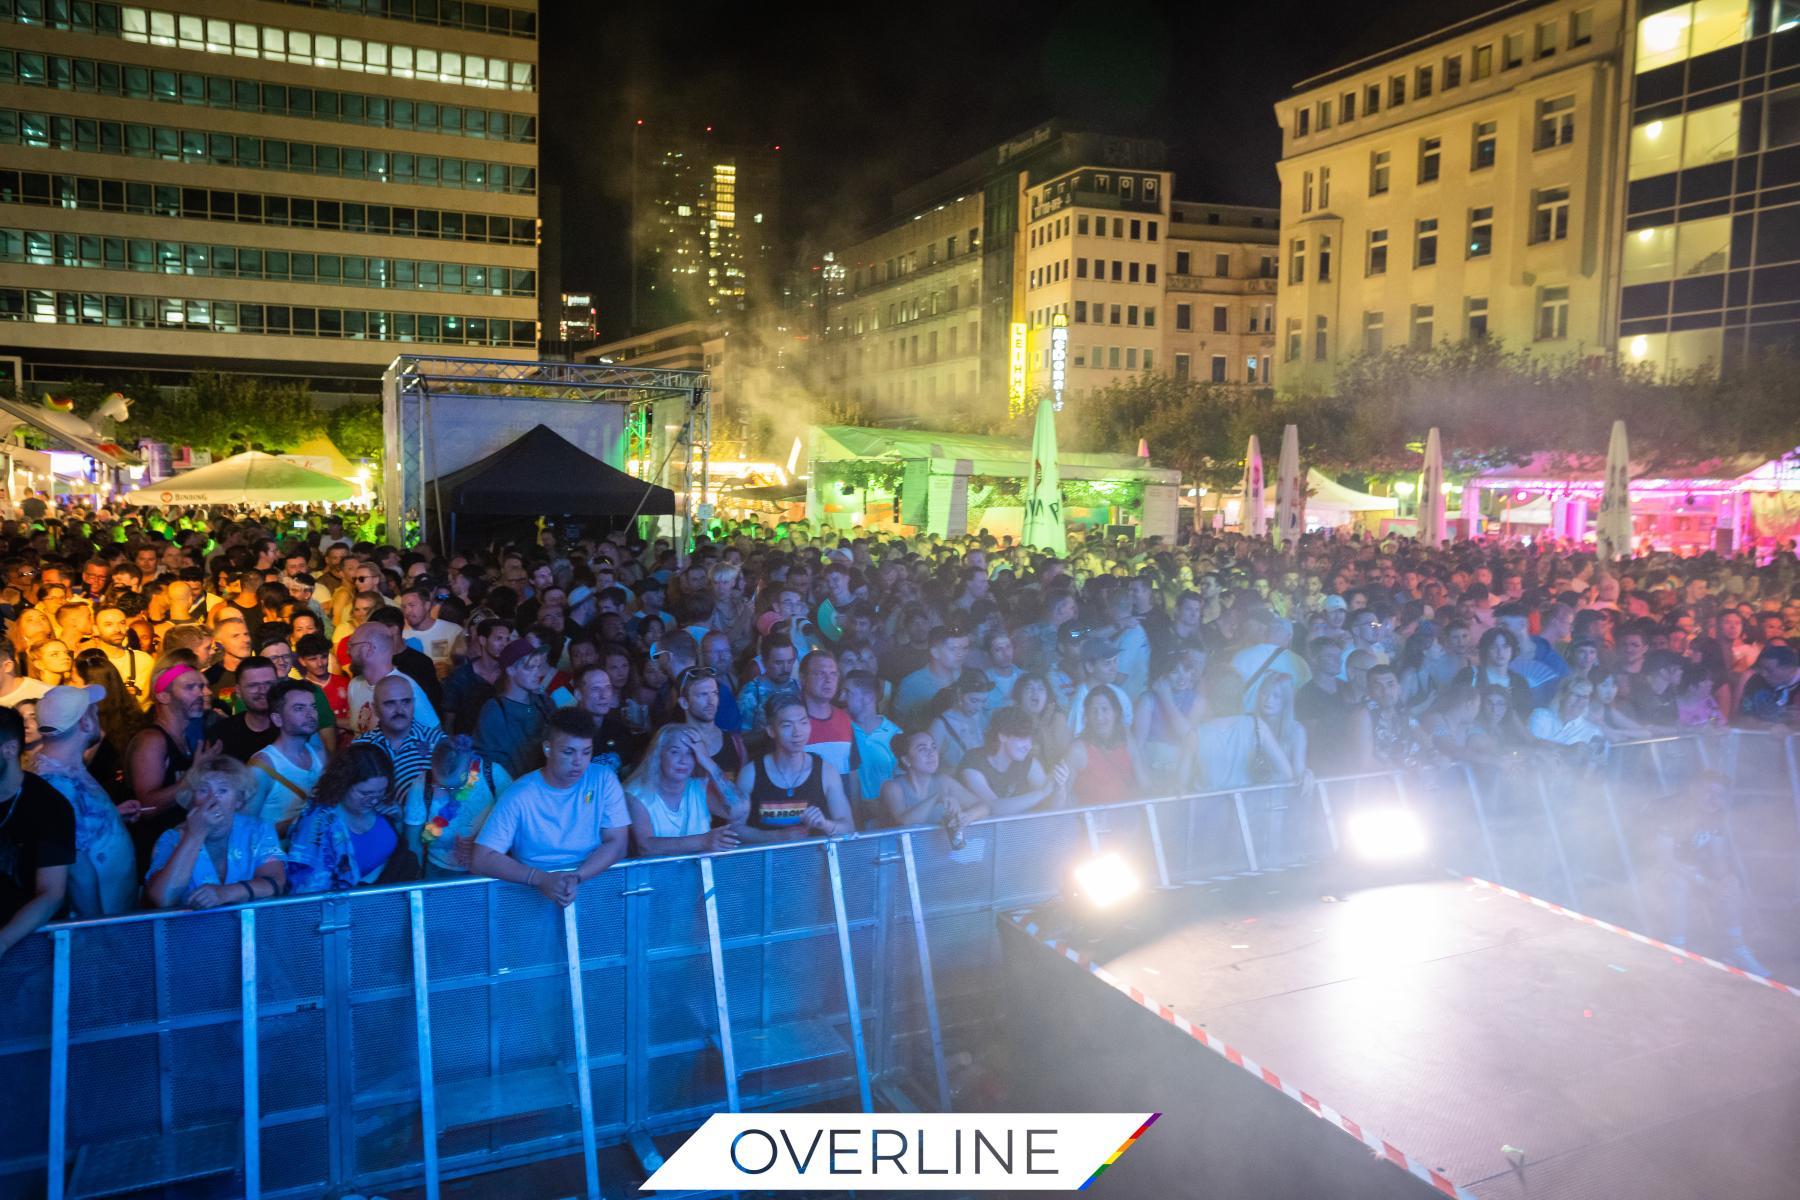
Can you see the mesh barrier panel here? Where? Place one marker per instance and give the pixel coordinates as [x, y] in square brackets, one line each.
[154, 1006]
[25, 1005]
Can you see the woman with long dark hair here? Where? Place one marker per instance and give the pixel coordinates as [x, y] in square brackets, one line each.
[345, 839]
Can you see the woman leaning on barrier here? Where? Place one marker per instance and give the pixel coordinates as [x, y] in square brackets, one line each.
[673, 811]
[219, 854]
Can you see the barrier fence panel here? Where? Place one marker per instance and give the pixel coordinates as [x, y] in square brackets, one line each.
[785, 978]
[27, 984]
[408, 1038]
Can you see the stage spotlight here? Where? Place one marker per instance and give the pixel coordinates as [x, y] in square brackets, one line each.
[1106, 880]
[1385, 835]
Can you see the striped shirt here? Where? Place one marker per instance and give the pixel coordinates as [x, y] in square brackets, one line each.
[410, 757]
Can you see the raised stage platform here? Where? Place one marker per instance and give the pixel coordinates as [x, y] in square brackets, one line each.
[1426, 1037]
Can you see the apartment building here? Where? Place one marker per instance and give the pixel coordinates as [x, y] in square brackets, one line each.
[293, 187]
[1219, 315]
[1465, 184]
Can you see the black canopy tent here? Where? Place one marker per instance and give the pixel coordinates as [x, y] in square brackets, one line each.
[541, 473]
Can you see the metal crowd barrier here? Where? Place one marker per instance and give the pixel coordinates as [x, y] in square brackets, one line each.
[395, 1038]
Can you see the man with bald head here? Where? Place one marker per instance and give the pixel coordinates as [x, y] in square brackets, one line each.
[371, 661]
[397, 731]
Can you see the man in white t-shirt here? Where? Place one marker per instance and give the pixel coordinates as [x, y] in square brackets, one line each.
[425, 631]
[372, 660]
[558, 827]
[287, 770]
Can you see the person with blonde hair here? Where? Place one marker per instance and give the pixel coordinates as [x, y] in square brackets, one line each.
[219, 854]
[673, 811]
[50, 662]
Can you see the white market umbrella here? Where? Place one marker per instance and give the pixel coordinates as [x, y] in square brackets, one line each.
[249, 478]
[1255, 521]
[1044, 528]
[1290, 493]
[1612, 528]
[1432, 509]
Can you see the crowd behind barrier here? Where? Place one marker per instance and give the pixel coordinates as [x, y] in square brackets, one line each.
[765, 794]
[394, 1037]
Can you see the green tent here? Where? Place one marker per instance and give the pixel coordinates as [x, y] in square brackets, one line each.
[251, 478]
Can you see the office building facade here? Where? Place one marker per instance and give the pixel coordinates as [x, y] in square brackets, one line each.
[279, 187]
[1710, 267]
[704, 238]
[1465, 184]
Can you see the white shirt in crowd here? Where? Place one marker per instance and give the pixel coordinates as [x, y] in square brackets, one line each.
[283, 786]
[435, 641]
[554, 829]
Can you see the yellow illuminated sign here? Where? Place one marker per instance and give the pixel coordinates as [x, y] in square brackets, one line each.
[1016, 392]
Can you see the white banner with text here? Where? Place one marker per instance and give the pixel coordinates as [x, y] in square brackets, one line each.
[889, 1152]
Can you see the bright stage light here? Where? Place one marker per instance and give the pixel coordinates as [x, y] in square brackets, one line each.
[1106, 880]
[1385, 835]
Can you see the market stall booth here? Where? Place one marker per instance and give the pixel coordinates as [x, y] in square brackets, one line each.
[954, 483]
[1726, 504]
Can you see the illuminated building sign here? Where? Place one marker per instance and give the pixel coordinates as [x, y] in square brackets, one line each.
[1016, 391]
[1059, 357]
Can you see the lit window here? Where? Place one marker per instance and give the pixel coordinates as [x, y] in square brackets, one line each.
[1690, 30]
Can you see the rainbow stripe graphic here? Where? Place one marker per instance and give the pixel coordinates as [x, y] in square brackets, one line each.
[1116, 1154]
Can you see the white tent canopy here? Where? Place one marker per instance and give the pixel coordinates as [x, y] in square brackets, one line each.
[1329, 502]
[249, 478]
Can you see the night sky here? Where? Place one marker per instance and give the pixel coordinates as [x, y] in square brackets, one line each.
[865, 98]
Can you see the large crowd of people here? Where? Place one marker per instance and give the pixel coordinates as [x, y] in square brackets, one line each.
[212, 708]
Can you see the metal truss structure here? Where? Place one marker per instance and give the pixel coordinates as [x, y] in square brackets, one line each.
[412, 383]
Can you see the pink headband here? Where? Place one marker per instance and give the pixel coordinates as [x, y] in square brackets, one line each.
[169, 675]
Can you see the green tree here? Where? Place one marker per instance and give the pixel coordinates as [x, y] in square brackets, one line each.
[355, 429]
[225, 414]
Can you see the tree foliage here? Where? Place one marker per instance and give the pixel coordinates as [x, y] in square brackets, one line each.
[355, 429]
[226, 414]
[1491, 405]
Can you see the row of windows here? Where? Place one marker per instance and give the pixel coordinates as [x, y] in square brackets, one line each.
[1135, 229]
[282, 320]
[1122, 272]
[905, 352]
[245, 39]
[1262, 318]
[453, 14]
[1256, 369]
[1553, 126]
[249, 95]
[43, 249]
[219, 316]
[1666, 252]
[1549, 223]
[1109, 358]
[1550, 323]
[257, 208]
[1120, 314]
[47, 131]
[1184, 265]
[1546, 37]
[1130, 189]
[905, 264]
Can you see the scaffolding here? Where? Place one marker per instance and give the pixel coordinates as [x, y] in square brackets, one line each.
[680, 401]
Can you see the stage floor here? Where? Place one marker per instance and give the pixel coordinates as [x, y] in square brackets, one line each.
[1515, 1051]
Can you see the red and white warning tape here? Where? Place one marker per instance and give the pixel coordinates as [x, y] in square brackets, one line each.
[1381, 1147]
[1596, 922]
